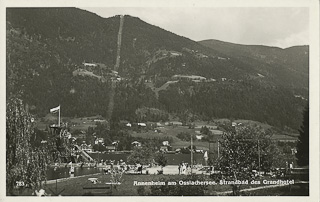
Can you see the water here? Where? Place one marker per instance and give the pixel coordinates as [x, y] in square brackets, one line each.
[173, 159]
[63, 172]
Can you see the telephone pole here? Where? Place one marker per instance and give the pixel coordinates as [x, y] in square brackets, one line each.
[191, 153]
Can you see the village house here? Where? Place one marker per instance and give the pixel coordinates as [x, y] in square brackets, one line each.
[89, 64]
[190, 78]
[142, 124]
[164, 149]
[176, 123]
[165, 143]
[111, 148]
[199, 137]
[99, 120]
[199, 151]
[207, 126]
[99, 140]
[216, 132]
[136, 144]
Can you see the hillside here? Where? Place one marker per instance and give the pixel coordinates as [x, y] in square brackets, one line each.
[47, 48]
[284, 66]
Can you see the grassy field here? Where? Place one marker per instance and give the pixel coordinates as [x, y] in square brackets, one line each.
[166, 131]
[74, 123]
[172, 132]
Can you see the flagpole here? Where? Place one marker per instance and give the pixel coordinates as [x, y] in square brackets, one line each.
[59, 117]
[191, 153]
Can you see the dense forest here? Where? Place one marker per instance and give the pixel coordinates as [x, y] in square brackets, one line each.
[235, 100]
[46, 45]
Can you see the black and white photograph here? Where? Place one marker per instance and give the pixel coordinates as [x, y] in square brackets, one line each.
[186, 100]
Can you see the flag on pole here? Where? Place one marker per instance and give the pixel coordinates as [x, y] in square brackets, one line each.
[55, 109]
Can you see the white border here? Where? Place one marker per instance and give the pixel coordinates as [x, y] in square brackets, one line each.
[314, 84]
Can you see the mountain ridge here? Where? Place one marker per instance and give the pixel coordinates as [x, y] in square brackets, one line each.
[259, 45]
[45, 47]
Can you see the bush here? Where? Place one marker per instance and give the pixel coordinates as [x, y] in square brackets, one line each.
[161, 159]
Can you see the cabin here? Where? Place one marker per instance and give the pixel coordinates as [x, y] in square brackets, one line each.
[216, 132]
[142, 124]
[111, 148]
[165, 143]
[199, 151]
[190, 78]
[136, 144]
[89, 64]
[178, 150]
[207, 126]
[99, 140]
[176, 123]
[199, 137]
[164, 149]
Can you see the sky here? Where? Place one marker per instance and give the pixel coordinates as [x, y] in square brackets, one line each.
[272, 26]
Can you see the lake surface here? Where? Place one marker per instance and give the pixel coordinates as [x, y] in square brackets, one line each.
[63, 172]
[173, 159]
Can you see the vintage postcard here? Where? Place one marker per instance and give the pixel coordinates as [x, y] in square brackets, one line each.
[202, 99]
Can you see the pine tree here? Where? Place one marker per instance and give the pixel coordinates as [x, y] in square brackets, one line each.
[303, 143]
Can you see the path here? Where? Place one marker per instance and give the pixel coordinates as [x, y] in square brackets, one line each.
[116, 67]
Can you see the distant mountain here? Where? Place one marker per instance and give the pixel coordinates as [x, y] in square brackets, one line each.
[46, 49]
[289, 66]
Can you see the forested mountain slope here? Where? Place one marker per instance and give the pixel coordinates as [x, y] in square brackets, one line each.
[45, 46]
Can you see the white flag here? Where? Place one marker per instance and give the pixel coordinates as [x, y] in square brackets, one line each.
[54, 110]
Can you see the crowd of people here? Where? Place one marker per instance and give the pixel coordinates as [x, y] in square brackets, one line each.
[121, 166]
[184, 168]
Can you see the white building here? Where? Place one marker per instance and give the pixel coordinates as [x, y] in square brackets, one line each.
[99, 140]
[165, 143]
[136, 144]
[89, 64]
